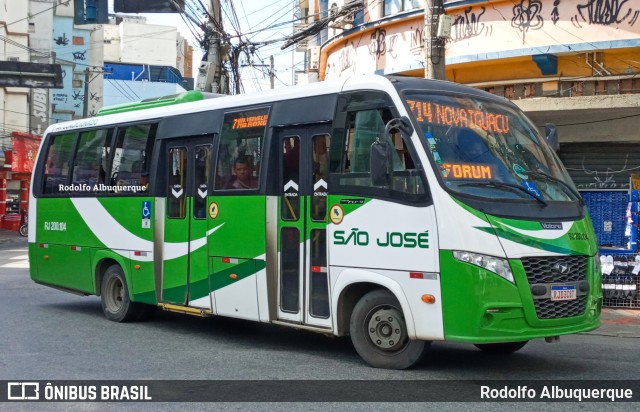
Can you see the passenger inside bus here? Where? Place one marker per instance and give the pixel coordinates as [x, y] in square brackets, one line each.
[320, 157]
[243, 172]
[472, 149]
[144, 181]
[86, 172]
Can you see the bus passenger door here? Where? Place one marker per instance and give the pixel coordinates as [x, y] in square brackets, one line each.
[184, 268]
[303, 283]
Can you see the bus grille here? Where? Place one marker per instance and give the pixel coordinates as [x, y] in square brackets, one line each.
[548, 309]
[541, 270]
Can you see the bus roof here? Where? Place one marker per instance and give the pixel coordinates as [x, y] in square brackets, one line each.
[173, 108]
[189, 96]
[195, 101]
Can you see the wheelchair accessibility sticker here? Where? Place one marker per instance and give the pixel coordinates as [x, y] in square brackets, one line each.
[146, 214]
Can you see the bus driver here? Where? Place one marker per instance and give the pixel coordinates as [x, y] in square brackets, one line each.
[244, 174]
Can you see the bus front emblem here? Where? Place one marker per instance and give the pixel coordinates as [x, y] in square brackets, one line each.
[561, 268]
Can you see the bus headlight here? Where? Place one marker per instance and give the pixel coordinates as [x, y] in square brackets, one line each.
[493, 264]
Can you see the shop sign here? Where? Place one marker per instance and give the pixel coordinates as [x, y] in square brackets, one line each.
[25, 149]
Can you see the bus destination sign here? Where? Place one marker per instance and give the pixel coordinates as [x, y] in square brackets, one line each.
[446, 115]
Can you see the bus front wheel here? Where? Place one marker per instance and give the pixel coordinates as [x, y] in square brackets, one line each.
[116, 304]
[504, 348]
[379, 332]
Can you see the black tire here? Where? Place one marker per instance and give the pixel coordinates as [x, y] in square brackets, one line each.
[24, 230]
[501, 348]
[379, 333]
[116, 304]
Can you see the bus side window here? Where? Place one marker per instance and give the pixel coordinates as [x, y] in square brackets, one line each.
[58, 163]
[290, 174]
[240, 150]
[132, 156]
[362, 129]
[201, 179]
[90, 163]
[176, 197]
[320, 174]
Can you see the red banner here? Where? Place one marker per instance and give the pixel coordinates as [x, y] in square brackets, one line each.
[25, 149]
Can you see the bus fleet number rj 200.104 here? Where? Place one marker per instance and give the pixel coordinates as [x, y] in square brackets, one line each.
[390, 239]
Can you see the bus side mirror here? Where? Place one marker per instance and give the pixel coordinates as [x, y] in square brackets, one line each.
[401, 123]
[380, 163]
[551, 134]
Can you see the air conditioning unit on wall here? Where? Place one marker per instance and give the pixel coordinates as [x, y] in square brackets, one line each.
[313, 57]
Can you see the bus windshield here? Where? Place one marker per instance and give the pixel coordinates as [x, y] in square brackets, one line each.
[490, 150]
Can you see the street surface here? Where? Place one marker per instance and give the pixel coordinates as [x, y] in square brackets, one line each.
[47, 334]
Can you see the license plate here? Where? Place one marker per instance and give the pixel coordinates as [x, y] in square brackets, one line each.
[563, 292]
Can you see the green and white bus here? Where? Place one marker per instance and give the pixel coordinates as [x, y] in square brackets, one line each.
[398, 211]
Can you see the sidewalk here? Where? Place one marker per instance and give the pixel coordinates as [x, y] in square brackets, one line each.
[9, 237]
[623, 323]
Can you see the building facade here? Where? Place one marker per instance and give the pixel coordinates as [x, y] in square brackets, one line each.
[14, 111]
[142, 60]
[97, 62]
[184, 59]
[574, 63]
[14, 46]
[40, 41]
[73, 51]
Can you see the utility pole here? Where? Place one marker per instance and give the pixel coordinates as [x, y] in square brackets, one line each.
[433, 44]
[85, 101]
[210, 70]
[272, 73]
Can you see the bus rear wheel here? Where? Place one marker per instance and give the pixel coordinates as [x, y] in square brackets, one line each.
[504, 348]
[116, 304]
[379, 332]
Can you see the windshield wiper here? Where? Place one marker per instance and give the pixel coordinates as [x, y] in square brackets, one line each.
[508, 186]
[555, 179]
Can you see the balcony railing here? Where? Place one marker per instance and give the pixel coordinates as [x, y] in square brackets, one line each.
[565, 88]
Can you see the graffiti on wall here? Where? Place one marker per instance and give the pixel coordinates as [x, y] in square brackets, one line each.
[71, 47]
[77, 95]
[391, 46]
[345, 65]
[61, 40]
[526, 16]
[603, 179]
[468, 25]
[555, 13]
[605, 13]
[417, 39]
[380, 44]
[79, 55]
[59, 98]
[538, 24]
[347, 60]
[481, 30]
